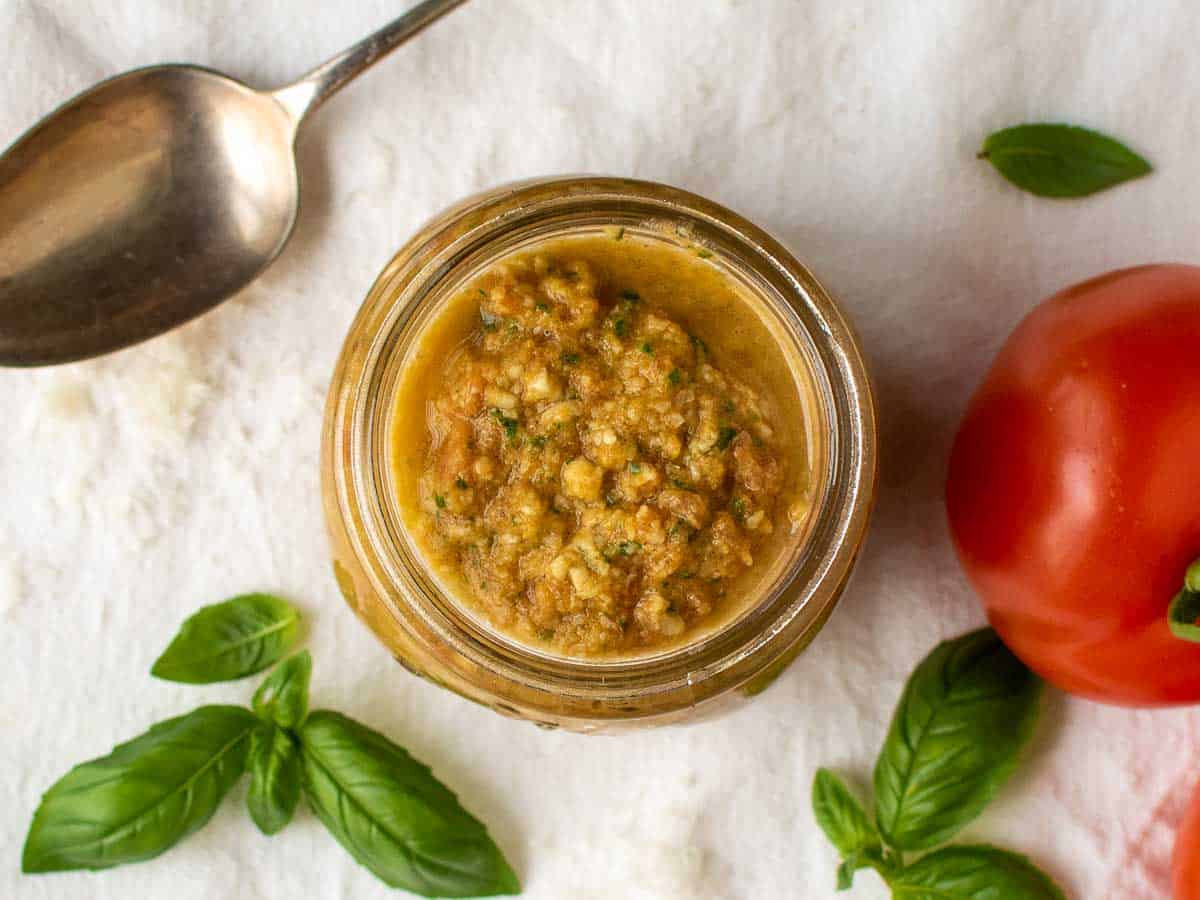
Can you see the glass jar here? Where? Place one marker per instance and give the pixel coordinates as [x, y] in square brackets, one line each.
[388, 584]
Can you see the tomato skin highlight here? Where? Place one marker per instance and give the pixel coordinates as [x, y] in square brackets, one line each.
[1073, 490]
[1185, 862]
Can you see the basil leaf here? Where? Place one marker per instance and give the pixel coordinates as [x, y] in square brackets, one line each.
[973, 873]
[393, 816]
[143, 797]
[230, 640]
[275, 775]
[282, 698]
[1061, 160]
[965, 714]
[846, 825]
[840, 816]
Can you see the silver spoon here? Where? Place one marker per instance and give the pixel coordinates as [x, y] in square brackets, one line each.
[154, 196]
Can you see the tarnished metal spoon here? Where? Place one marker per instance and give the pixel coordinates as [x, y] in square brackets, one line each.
[152, 197]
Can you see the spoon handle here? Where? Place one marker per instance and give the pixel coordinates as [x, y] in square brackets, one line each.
[303, 96]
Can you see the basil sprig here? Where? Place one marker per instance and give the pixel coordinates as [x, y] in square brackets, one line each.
[1061, 160]
[964, 716]
[386, 808]
[230, 640]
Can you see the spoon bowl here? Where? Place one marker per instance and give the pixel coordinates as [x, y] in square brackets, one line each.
[137, 206]
[152, 197]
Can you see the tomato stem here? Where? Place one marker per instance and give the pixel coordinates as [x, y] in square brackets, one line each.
[1183, 615]
[1191, 581]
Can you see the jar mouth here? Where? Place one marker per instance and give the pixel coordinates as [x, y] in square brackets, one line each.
[800, 589]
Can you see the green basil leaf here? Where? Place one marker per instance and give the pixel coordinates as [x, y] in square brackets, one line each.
[845, 823]
[230, 640]
[393, 816]
[1061, 160]
[973, 873]
[282, 698]
[275, 769]
[965, 714]
[840, 816]
[143, 797]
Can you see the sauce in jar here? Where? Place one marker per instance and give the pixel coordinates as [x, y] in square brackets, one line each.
[611, 448]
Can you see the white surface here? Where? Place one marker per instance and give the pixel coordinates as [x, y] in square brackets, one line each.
[139, 487]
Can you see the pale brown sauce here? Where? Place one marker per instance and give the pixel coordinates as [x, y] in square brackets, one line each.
[607, 595]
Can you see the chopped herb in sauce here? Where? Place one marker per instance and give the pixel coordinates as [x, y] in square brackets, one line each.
[724, 436]
[543, 307]
[631, 296]
[628, 548]
[461, 483]
[674, 377]
[509, 425]
[539, 442]
[635, 468]
[440, 501]
[620, 326]
[570, 359]
[648, 348]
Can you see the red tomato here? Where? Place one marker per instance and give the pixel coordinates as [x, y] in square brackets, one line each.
[1074, 485]
[1185, 866]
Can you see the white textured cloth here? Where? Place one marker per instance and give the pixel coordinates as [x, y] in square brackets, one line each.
[138, 487]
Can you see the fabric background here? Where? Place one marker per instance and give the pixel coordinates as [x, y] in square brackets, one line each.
[140, 486]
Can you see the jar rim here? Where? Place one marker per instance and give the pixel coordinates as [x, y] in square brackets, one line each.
[401, 301]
